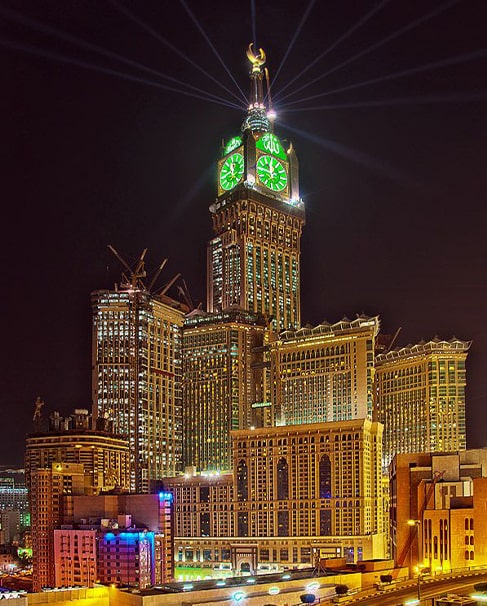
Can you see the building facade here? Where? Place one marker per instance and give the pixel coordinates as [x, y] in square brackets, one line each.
[421, 397]
[47, 489]
[104, 455]
[137, 377]
[220, 384]
[325, 373]
[134, 537]
[443, 495]
[258, 216]
[296, 492]
[14, 495]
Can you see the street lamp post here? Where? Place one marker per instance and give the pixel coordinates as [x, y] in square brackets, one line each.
[417, 524]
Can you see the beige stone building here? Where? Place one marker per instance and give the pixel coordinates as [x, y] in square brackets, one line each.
[296, 492]
[220, 383]
[420, 392]
[324, 373]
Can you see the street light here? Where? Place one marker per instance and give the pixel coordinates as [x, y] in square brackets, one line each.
[416, 524]
[418, 568]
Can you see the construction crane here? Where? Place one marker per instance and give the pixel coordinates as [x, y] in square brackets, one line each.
[438, 475]
[135, 276]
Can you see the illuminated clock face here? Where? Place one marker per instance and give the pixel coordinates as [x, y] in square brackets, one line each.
[271, 173]
[231, 171]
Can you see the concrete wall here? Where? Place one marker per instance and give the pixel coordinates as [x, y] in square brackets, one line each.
[256, 595]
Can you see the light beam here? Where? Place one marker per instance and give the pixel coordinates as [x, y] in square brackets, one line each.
[211, 45]
[360, 158]
[479, 54]
[464, 96]
[104, 70]
[171, 46]
[294, 38]
[51, 31]
[372, 47]
[344, 36]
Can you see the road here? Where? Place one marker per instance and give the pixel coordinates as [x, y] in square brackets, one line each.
[460, 584]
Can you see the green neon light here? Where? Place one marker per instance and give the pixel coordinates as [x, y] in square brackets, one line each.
[271, 173]
[271, 144]
[232, 144]
[231, 171]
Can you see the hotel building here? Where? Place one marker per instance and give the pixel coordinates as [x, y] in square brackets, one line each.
[325, 373]
[296, 492]
[421, 397]
[137, 377]
[220, 384]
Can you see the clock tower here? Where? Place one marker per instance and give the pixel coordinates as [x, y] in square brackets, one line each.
[258, 216]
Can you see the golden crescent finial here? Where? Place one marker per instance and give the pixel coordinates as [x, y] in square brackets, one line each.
[256, 60]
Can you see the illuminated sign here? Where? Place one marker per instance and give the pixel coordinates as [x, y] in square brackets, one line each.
[232, 144]
[271, 144]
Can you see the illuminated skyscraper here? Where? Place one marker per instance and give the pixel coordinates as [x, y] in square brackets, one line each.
[47, 489]
[324, 373]
[421, 397]
[258, 216]
[137, 377]
[220, 384]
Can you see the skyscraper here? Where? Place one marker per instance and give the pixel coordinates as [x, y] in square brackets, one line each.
[219, 385]
[137, 376]
[258, 216]
[47, 489]
[421, 397]
[325, 373]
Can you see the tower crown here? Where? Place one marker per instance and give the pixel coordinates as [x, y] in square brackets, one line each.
[257, 119]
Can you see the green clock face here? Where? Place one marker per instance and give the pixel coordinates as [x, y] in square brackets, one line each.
[231, 171]
[272, 173]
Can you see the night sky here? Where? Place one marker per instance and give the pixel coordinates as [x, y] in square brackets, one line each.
[390, 128]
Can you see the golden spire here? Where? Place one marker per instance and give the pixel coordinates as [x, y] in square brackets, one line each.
[256, 60]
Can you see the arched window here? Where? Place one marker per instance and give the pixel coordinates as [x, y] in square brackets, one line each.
[325, 477]
[242, 482]
[282, 480]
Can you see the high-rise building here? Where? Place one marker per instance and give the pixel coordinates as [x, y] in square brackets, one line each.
[296, 492]
[258, 216]
[421, 397]
[325, 373]
[443, 496]
[220, 384]
[137, 377]
[104, 455]
[253, 275]
[14, 494]
[47, 489]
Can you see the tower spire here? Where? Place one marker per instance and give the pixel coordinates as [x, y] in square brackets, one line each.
[256, 119]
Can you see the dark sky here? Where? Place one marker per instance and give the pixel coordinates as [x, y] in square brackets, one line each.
[97, 150]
